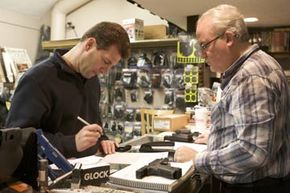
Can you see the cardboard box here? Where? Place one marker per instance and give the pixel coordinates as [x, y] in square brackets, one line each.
[134, 28]
[155, 31]
[170, 122]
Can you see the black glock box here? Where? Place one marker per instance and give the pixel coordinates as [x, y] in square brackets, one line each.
[95, 175]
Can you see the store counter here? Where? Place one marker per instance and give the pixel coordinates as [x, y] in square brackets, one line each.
[123, 167]
[191, 182]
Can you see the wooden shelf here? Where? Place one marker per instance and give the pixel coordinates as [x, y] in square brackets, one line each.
[154, 43]
[67, 44]
[59, 44]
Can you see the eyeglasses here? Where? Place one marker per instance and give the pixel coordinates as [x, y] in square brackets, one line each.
[202, 47]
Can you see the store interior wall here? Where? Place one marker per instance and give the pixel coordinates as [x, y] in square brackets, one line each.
[107, 10]
[21, 31]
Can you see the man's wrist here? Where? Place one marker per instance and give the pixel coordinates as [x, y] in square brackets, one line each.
[103, 137]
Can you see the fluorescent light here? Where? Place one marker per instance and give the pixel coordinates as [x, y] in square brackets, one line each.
[251, 19]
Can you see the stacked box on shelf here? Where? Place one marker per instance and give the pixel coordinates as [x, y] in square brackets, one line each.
[134, 28]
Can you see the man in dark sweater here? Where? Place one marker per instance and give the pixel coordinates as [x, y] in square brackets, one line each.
[52, 94]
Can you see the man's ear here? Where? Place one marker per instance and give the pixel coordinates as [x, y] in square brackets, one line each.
[230, 36]
[90, 43]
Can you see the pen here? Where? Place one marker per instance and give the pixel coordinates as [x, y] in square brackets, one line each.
[84, 122]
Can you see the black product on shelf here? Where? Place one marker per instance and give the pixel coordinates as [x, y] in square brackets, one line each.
[155, 78]
[119, 109]
[132, 62]
[138, 115]
[180, 102]
[144, 61]
[130, 78]
[148, 96]
[169, 97]
[144, 80]
[119, 93]
[160, 59]
[179, 79]
[130, 114]
[167, 78]
[133, 96]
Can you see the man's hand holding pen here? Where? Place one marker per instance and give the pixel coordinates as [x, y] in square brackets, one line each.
[89, 135]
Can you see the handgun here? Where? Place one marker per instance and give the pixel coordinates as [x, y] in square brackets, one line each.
[182, 137]
[159, 167]
[123, 148]
[149, 147]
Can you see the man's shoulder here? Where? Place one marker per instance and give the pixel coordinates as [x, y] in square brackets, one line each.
[44, 67]
[259, 62]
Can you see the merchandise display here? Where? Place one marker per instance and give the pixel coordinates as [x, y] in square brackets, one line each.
[153, 78]
[163, 97]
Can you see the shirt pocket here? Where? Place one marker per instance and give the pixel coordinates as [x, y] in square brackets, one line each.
[222, 117]
[223, 125]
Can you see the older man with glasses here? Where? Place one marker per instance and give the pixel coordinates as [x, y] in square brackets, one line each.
[249, 140]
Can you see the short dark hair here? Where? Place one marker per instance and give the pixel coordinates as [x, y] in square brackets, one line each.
[108, 34]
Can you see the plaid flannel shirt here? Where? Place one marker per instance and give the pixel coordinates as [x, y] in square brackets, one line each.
[250, 134]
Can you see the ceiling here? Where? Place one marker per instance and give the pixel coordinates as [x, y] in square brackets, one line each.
[35, 8]
[270, 13]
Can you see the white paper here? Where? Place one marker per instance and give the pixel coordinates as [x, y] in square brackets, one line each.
[87, 162]
[195, 146]
[131, 158]
[129, 173]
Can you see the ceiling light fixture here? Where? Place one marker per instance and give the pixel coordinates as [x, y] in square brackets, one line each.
[251, 19]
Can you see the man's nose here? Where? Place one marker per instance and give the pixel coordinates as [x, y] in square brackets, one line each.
[203, 54]
[106, 70]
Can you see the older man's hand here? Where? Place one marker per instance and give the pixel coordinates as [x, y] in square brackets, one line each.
[184, 154]
[202, 138]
